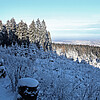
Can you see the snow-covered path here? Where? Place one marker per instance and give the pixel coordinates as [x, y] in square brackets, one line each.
[5, 94]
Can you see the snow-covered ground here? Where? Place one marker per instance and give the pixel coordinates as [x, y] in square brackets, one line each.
[5, 91]
[59, 78]
[80, 42]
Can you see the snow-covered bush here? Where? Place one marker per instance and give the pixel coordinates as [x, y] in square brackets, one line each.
[2, 72]
[17, 66]
[2, 69]
[1, 62]
[27, 88]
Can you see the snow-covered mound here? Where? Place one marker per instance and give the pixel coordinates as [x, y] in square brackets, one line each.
[29, 82]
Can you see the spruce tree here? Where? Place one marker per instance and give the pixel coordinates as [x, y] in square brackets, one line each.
[37, 33]
[38, 29]
[43, 33]
[32, 32]
[3, 34]
[22, 31]
[1, 25]
[11, 29]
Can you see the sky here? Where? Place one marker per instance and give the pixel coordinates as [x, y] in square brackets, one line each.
[65, 19]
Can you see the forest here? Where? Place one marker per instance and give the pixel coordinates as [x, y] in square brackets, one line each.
[91, 54]
[36, 32]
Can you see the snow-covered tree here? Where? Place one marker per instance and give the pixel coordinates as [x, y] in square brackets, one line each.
[32, 32]
[22, 31]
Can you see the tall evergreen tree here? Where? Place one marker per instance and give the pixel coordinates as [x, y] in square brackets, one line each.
[3, 34]
[1, 25]
[38, 29]
[22, 31]
[13, 25]
[11, 29]
[32, 32]
[43, 32]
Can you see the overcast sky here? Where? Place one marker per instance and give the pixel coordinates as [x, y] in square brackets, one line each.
[65, 19]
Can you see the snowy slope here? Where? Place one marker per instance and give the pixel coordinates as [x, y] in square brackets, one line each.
[5, 92]
[78, 53]
[59, 78]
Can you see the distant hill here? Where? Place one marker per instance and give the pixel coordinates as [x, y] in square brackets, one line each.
[80, 42]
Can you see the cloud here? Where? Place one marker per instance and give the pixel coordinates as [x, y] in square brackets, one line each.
[77, 29]
[79, 25]
[76, 37]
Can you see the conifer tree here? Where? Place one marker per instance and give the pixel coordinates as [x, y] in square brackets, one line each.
[37, 33]
[38, 28]
[43, 33]
[3, 34]
[8, 26]
[1, 25]
[32, 32]
[22, 31]
[11, 29]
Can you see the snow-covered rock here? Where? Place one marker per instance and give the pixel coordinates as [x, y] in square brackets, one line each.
[29, 82]
[27, 88]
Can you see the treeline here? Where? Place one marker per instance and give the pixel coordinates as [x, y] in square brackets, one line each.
[80, 49]
[11, 32]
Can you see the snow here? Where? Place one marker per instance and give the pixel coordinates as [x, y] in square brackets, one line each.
[80, 42]
[5, 93]
[2, 71]
[29, 82]
[1, 61]
[2, 68]
[77, 55]
[58, 78]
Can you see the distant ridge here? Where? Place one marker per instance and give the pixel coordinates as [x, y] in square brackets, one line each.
[80, 42]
